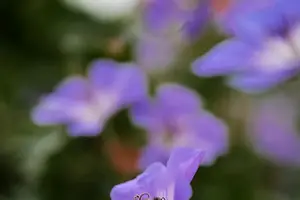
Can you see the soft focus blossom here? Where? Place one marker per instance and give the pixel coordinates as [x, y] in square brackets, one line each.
[264, 53]
[172, 17]
[171, 182]
[167, 26]
[273, 129]
[175, 118]
[84, 105]
[230, 15]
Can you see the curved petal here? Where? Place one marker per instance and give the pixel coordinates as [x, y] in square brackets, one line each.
[126, 81]
[127, 190]
[51, 111]
[74, 88]
[208, 133]
[185, 161]
[155, 53]
[148, 182]
[183, 189]
[259, 82]
[159, 15]
[84, 129]
[152, 154]
[175, 98]
[273, 131]
[131, 84]
[251, 20]
[102, 73]
[198, 19]
[227, 57]
[54, 108]
[146, 115]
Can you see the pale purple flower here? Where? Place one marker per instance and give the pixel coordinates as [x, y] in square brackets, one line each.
[155, 53]
[234, 14]
[273, 129]
[85, 104]
[264, 53]
[169, 17]
[167, 26]
[170, 181]
[175, 118]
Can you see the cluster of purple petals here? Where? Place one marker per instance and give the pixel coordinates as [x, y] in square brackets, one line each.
[85, 104]
[170, 181]
[264, 49]
[273, 129]
[176, 118]
[167, 26]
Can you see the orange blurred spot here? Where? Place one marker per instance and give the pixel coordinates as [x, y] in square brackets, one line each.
[220, 6]
[123, 157]
[116, 46]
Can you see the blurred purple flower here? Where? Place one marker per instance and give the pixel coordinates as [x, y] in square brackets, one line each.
[186, 17]
[233, 13]
[155, 53]
[170, 182]
[167, 26]
[273, 129]
[85, 105]
[264, 53]
[175, 118]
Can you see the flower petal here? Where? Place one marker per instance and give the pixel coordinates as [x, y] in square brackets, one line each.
[84, 129]
[152, 179]
[183, 189]
[102, 73]
[155, 53]
[175, 98]
[73, 88]
[210, 135]
[227, 57]
[146, 115]
[54, 108]
[185, 161]
[131, 83]
[152, 154]
[273, 131]
[259, 82]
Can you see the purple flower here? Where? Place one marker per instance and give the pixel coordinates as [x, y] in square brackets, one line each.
[175, 118]
[155, 53]
[235, 12]
[264, 53]
[167, 27]
[187, 17]
[273, 129]
[85, 105]
[171, 182]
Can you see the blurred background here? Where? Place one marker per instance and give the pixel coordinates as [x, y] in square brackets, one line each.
[44, 41]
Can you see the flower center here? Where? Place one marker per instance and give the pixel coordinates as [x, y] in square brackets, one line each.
[280, 53]
[95, 110]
